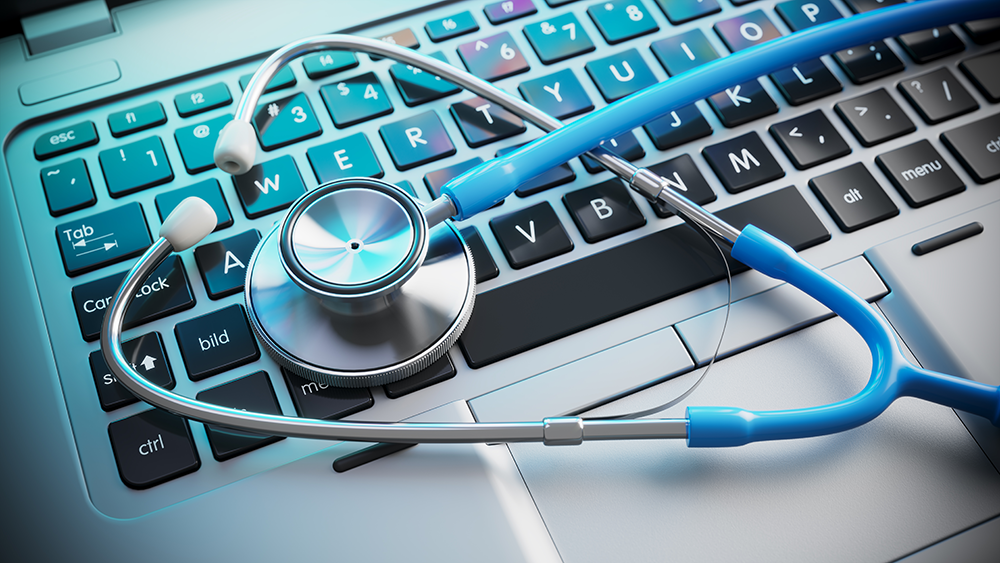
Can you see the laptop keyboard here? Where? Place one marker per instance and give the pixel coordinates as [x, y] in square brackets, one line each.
[834, 155]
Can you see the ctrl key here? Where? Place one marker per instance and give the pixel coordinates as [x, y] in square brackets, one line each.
[153, 447]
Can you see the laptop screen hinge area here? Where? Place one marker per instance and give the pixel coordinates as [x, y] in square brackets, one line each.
[67, 25]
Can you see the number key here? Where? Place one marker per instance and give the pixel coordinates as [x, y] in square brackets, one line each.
[493, 58]
[621, 20]
[285, 121]
[211, 97]
[558, 38]
[135, 166]
[355, 100]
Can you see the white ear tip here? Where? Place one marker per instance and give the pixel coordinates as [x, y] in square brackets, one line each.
[188, 223]
[236, 148]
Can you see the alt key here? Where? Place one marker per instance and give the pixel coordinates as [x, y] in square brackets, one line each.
[853, 198]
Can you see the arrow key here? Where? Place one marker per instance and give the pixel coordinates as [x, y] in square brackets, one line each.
[874, 117]
[809, 140]
[147, 356]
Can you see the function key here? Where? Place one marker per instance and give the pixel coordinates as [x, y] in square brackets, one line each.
[684, 52]
[624, 145]
[67, 187]
[868, 62]
[983, 32]
[103, 238]
[500, 12]
[874, 117]
[531, 235]
[67, 139]
[417, 86]
[262, 190]
[678, 127]
[482, 122]
[440, 370]
[153, 447]
[223, 264]
[197, 143]
[603, 211]
[343, 158]
[551, 178]
[558, 38]
[197, 101]
[862, 6]
[402, 38]
[216, 342]
[437, 178]
[682, 175]
[136, 119]
[324, 63]
[451, 26]
[619, 75]
[285, 121]
[319, 400]
[853, 198]
[806, 81]
[752, 28]
[486, 268]
[981, 71]
[931, 44]
[621, 20]
[493, 58]
[809, 140]
[208, 190]
[416, 140]
[681, 11]
[135, 166]
[557, 3]
[977, 147]
[742, 103]
[560, 95]
[284, 79]
[251, 393]
[355, 100]
[920, 174]
[802, 14]
[937, 96]
[742, 163]
[147, 356]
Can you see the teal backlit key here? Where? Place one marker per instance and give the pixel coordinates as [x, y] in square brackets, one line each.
[136, 119]
[558, 38]
[684, 52]
[204, 99]
[67, 187]
[494, 57]
[344, 158]
[619, 75]
[66, 139]
[355, 100]
[621, 20]
[197, 143]
[135, 166]
[285, 121]
[325, 63]
[417, 140]
[104, 238]
[451, 26]
[284, 79]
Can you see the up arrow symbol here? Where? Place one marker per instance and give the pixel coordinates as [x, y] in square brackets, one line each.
[148, 362]
[480, 45]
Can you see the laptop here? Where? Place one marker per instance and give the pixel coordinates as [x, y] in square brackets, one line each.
[109, 114]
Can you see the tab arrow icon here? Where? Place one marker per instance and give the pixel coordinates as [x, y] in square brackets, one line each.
[110, 245]
[148, 362]
[794, 132]
[481, 45]
[863, 110]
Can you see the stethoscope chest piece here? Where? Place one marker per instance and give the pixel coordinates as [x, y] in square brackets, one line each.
[395, 294]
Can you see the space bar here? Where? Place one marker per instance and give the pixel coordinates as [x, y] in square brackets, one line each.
[534, 311]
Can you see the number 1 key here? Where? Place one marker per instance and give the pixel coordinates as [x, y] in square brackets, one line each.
[135, 166]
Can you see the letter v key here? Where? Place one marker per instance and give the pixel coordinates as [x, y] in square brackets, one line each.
[531, 227]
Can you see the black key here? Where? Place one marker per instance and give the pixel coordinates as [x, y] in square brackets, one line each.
[67, 187]
[486, 268]
[920, 174]
[742, 103]
[319, 400]
[344, 158]
[66, 139]
[355, 100]
[983, 32]
[451, 26]
[165, 292]
[251, 393]
[874, 118]
[531, 235]
[500, 12]
[560, 95]
[136, 119]
[745, 31]
[207, 190]
[441, 370]
[417, 140]
[437, 178]
[223, 264]
[931, 44]
[977, 147]
[482, 122]
[204, 99]
[624, 145]
[682, 176]
[153, 447]
[135, 166]
[802, 14]
[937, 96]
[146, 355]
[603, 211]
[862, 6]
[853, 198]
[418, 87]
[285, 121]
[197, 143]
[806, 81]
[269, 186]
[683, 52]
[284, 79]
[493, 58]
[809, 140]
[742, 163]
[865, 63]
[553, 177]
[680, 11]
[678, 127]
[537, 310]
[621, 20]
[619, 75]
[103, 239]
[981, 71]
[216, 342]
[559, 38]
[323, 64]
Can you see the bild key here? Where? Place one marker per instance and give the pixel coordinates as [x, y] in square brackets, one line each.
[216, 342]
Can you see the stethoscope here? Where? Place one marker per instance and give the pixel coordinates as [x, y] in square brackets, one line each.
[362, 285]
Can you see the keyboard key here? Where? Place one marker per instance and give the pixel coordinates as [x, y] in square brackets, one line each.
[165, 292]
[742, 163]
[147, 355]
[619, 75]
[853, 198]
[624, 145]
[682, 175]
[153, 447]
[802, 14]
[874, 118]
[531, 235]
[482, 123]
[344, 158]
[557, 3]
[103, 239]
[197, 143]
[977, 146]
[937, 96]
[560, 95]
[486, 268]
[216, 342]
[683, 52]
[418, 87]
[135, 166]
[67, 187]
[680, 11]
[136, 119]
[536, 310]
[324, 63]
[285, 121]
[551, 178]
[262, 191]
[318, 400]
[678, 127]
[806, 81]
[742, 103]
[208, 190]
[355, 100]
[981, 71]
[223, 264]
[920, 174]
[558, 38]
[931, 44]
[809, 140]
[66, 139]
[284, 79]
[621, 20]
[437, 178]
[862, 6]
[500, 12]
[603, 211]
[416, 140]
[451, 26]
[251, 393]
[403, 38]
[868, 62]
[983, 32]
[493, 58]
[407, 187]
[441, 370]
[197, 101]
[752, 28]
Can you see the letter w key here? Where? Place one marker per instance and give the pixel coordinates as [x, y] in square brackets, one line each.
[544, 237]
[259, 188]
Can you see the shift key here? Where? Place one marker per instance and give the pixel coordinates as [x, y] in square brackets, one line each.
[102, 239]
[977, 146]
